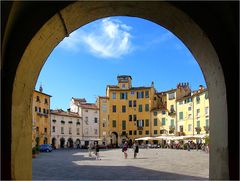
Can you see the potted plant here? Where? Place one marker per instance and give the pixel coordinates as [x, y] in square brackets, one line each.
[34, 152]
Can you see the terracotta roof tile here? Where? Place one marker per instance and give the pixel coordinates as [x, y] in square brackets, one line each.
[61, 112]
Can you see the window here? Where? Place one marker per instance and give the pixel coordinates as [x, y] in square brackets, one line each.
[37, 99]
[172, 122]
[104, 100]
[53, 129]
[39, 109]
[172, 108]
[163, 112]
[207, 123]
[70, 130]
[163, 121]
[78, 122]
[155, 113]
[114, 124]
[78, 131]
[114, 108]
[188, 100]
[62, 130]
[155, 98]
[44, 111]
[139, 108]
[189, 108]
[54, 120]
[134, 117]
[63, 122]
[171, 96]
[198, 112]
[132, 92]
[123, 95]
[180, 103]
[146, 107]
[198, 124]
[123, 108]
[130, 103]
[140, 123]
[181, 115]
[37, 129]
[123, 125]
[70, 122]
[104, 108]
[162, 131]
[130, 117]
[140, 132]
[155, 122]
[95, 120]
[206, 95]
[45, 101]
[140, 95]
[189, 127]
[147, 122]
[155, 132]
[147, 132]
[95, 131]
[147, 94]
[130, 132]
[114, 95]
[45, 130]
[206, 110]
[123, 86]
[36, 109]
[198, 99]
[135, 132]
[134, 103]
[181, 128]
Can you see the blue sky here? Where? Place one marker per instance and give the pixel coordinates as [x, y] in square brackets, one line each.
[95, 54]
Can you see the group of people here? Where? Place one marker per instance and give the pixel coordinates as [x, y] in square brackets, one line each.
[94, 148]
[135, 149]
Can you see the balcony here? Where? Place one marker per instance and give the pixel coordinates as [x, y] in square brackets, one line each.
[139, 128]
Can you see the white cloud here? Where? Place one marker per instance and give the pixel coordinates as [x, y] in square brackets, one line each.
[110, 39]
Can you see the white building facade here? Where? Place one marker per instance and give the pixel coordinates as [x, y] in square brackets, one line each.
[89, 113]
[66, 129]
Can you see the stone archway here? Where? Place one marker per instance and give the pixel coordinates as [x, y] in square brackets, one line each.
[62, 143]
[70, 143]
[54, 140]
[76, 15]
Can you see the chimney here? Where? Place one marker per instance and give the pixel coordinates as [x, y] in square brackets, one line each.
[68, 110]
[40, 88]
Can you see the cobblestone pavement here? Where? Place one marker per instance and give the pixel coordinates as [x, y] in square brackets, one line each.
[151, 164]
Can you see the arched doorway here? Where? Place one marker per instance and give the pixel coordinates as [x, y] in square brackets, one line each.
[67, 20]
[114, 139]
[70, 143]
[62, 143]
[54, 143]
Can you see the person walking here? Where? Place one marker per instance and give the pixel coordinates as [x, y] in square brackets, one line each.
[135, 149]
[97, 151]
[125, 147]
[90, 147]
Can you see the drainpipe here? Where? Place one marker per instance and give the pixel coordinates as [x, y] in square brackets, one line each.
[176, 120]
[193, 113]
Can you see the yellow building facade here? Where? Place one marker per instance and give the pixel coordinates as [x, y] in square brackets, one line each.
[193, 113]
[41, 132]
[128, 112]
